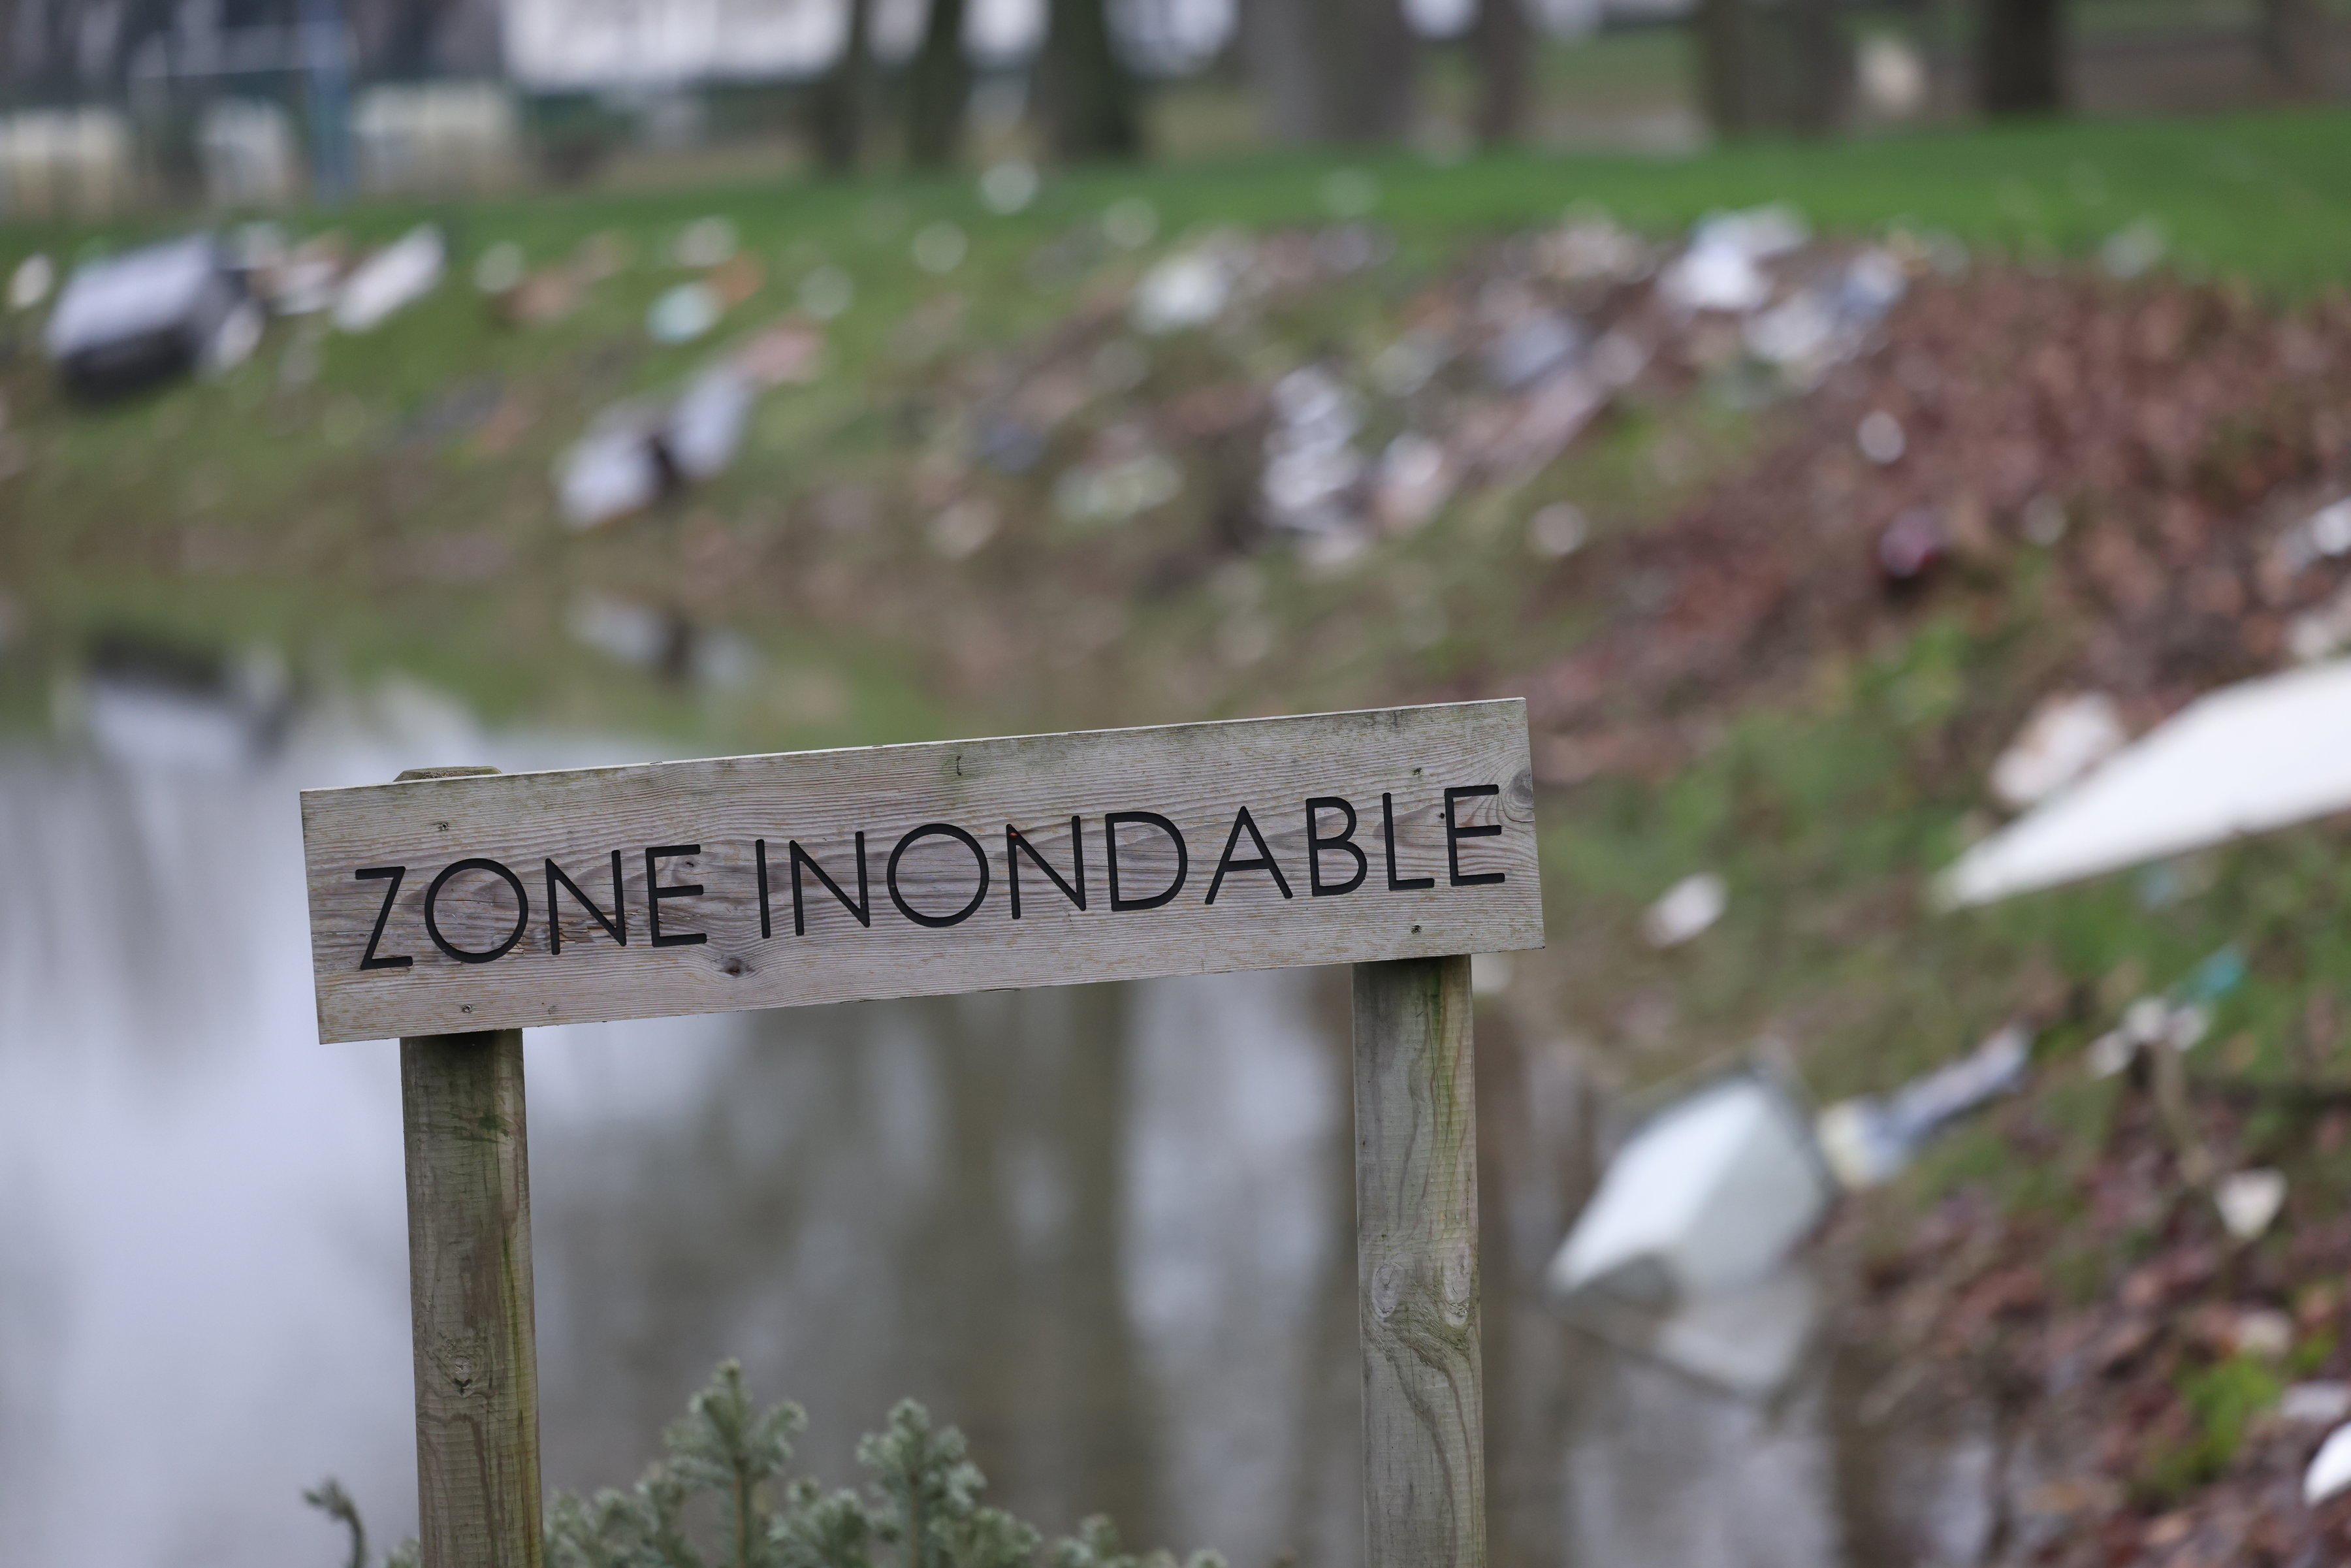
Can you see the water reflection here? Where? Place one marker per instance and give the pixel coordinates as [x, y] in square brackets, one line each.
[1105, 1229]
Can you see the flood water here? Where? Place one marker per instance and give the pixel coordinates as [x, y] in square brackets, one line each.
[1107, 1230]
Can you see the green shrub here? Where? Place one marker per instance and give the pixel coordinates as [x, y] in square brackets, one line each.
[921, 1507]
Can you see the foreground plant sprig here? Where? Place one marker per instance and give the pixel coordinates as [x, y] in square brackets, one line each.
[920, 1508]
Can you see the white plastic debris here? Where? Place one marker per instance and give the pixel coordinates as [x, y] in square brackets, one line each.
[1686, 908]
[1714, 277]
[1558, 530]
[2246, 760]
[706, 425]
[1891, 75]
[2248, 1201]
[398, 276]
[1186, 289]
[616, 468]
[681, 314]
[1868, 1141]
[162, 311]
[2330, 1468]
[2319, 1403]
[2325, 534]
[1880, 437]
[2133, 249]
[1709, 1194]
[31, 281]
[2262, 1332]
[2065, 737]
[1747, 1342]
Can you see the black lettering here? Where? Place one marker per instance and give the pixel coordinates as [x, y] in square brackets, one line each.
[862, 907]
[1016, 842]
[1263, 861]
[1388, 831]
[1316, 843]
[463, 955]
[1110, 843]
[760, 853]
[656, 892]
[942, 830]
[393, 874]
[1454, 835]
[617, 927]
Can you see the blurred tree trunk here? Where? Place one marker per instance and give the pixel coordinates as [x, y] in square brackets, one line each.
[1086, 92]
[2020, 57]
[1786, 67]
[1503, 45]
[938, 90]
[2294, 46]
[840, 109]
[1330, 71]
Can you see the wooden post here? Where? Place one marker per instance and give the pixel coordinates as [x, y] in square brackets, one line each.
[470, 1295]
[1416, 1266]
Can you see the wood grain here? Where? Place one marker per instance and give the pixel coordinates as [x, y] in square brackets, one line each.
[1416, 1266]
[1199, 777]
[470, 1296]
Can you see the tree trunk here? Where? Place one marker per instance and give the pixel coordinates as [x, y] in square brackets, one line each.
[1330, 70]
[1503, 45]
[1723, 48]
[938, 90]
[1086, 92]
[2294, 46]
[2020, 57]
[841, 107]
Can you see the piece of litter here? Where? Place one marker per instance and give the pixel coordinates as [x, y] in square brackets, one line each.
[1880, 437]
[398, 276]
[1186, 289]
[130, 321]
[1712, 1193]
[31, 281]
[1558, 530]
[1686, 909]
[2262, 1332]
[2248, 1201]
[2065, 737]
[2250, 757]
[2330, 1468]
[1007, 187]
[1868, 1141]
[683, 313]
[2133, 250]
[2110, 1053]
[2318, 1403]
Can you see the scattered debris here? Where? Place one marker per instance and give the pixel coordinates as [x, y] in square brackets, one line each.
[394, 277]
[2330, 1468]
[706, 243]
[1686, 909]
[2249, 1200]
[681, 314]
[2067, 736]
[2250, 757]
[1009, 186]
[1709, 1195]
[2319, 1403]
[151, 704]
[1870, 1140]
[30, 282]
[148, 315]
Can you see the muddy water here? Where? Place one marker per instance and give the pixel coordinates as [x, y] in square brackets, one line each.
[1104, 1229]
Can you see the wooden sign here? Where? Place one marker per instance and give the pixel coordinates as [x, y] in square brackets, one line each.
[464, 904]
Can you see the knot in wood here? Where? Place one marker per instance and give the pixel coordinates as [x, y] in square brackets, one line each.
[1387, 1287]
[1459, 1283]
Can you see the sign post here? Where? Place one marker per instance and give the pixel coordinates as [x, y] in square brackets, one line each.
[457, 906]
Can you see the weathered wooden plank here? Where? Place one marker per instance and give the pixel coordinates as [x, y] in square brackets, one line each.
[1416, 1266]
[470, 1297]
[514, 940]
